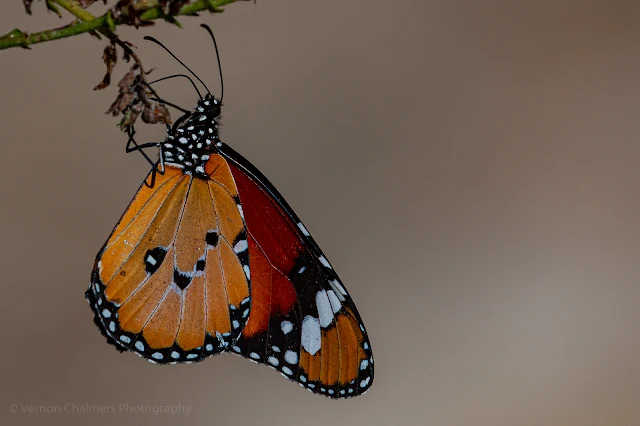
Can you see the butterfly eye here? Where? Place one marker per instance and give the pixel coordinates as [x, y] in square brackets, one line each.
[211, 106]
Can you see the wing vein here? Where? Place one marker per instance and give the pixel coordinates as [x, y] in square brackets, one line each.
[145, 233]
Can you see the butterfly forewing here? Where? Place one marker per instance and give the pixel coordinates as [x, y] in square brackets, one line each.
[171, 283]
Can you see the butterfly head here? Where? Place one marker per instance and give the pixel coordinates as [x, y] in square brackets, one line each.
[209, 106]
[194, 137]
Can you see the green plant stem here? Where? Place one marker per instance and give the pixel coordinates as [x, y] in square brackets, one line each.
[74, 8]
[87, 22]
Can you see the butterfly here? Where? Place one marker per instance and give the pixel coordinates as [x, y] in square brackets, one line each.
[209, 258]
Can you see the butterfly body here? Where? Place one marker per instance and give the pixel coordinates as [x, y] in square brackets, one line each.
[212, 259]
[193, 139]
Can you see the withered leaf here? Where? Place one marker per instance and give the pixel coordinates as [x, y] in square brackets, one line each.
[110, 58]
[27, 5]
[126, 91]
[172, 7]
[133, 100]
[156, 113]
[87, 3]
[127, 51]
[130, 115]
[128, 12]
[128, 80]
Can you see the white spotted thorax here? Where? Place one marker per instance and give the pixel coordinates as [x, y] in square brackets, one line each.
[191, 141]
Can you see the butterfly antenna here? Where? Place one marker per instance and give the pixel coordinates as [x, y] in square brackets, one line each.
[179, 75]
[176, 58]
[215, 45]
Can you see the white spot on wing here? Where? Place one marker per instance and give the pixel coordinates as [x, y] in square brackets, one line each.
[325, 313]
[287, 370]
[335, 302]
[291, 357]
[303, 229]
[310, 338]
[286, 327]
[338, 287]
[241, 246]
[324, 261]
[273, 361]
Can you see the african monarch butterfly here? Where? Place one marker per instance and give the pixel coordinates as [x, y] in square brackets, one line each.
[209, 258]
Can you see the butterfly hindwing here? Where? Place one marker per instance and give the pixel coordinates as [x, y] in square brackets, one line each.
[302, 322]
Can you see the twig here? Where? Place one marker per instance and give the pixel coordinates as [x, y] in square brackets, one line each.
[105, 23]
[80, 13]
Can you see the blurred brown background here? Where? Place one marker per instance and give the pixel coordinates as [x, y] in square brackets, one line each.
[470, 168]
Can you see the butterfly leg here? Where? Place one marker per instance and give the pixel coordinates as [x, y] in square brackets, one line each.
[139, 147]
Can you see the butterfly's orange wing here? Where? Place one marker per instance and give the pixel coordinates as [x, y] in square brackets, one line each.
[172, 281]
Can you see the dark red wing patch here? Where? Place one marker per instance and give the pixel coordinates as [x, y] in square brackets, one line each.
[273, 250]
[302, 321]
